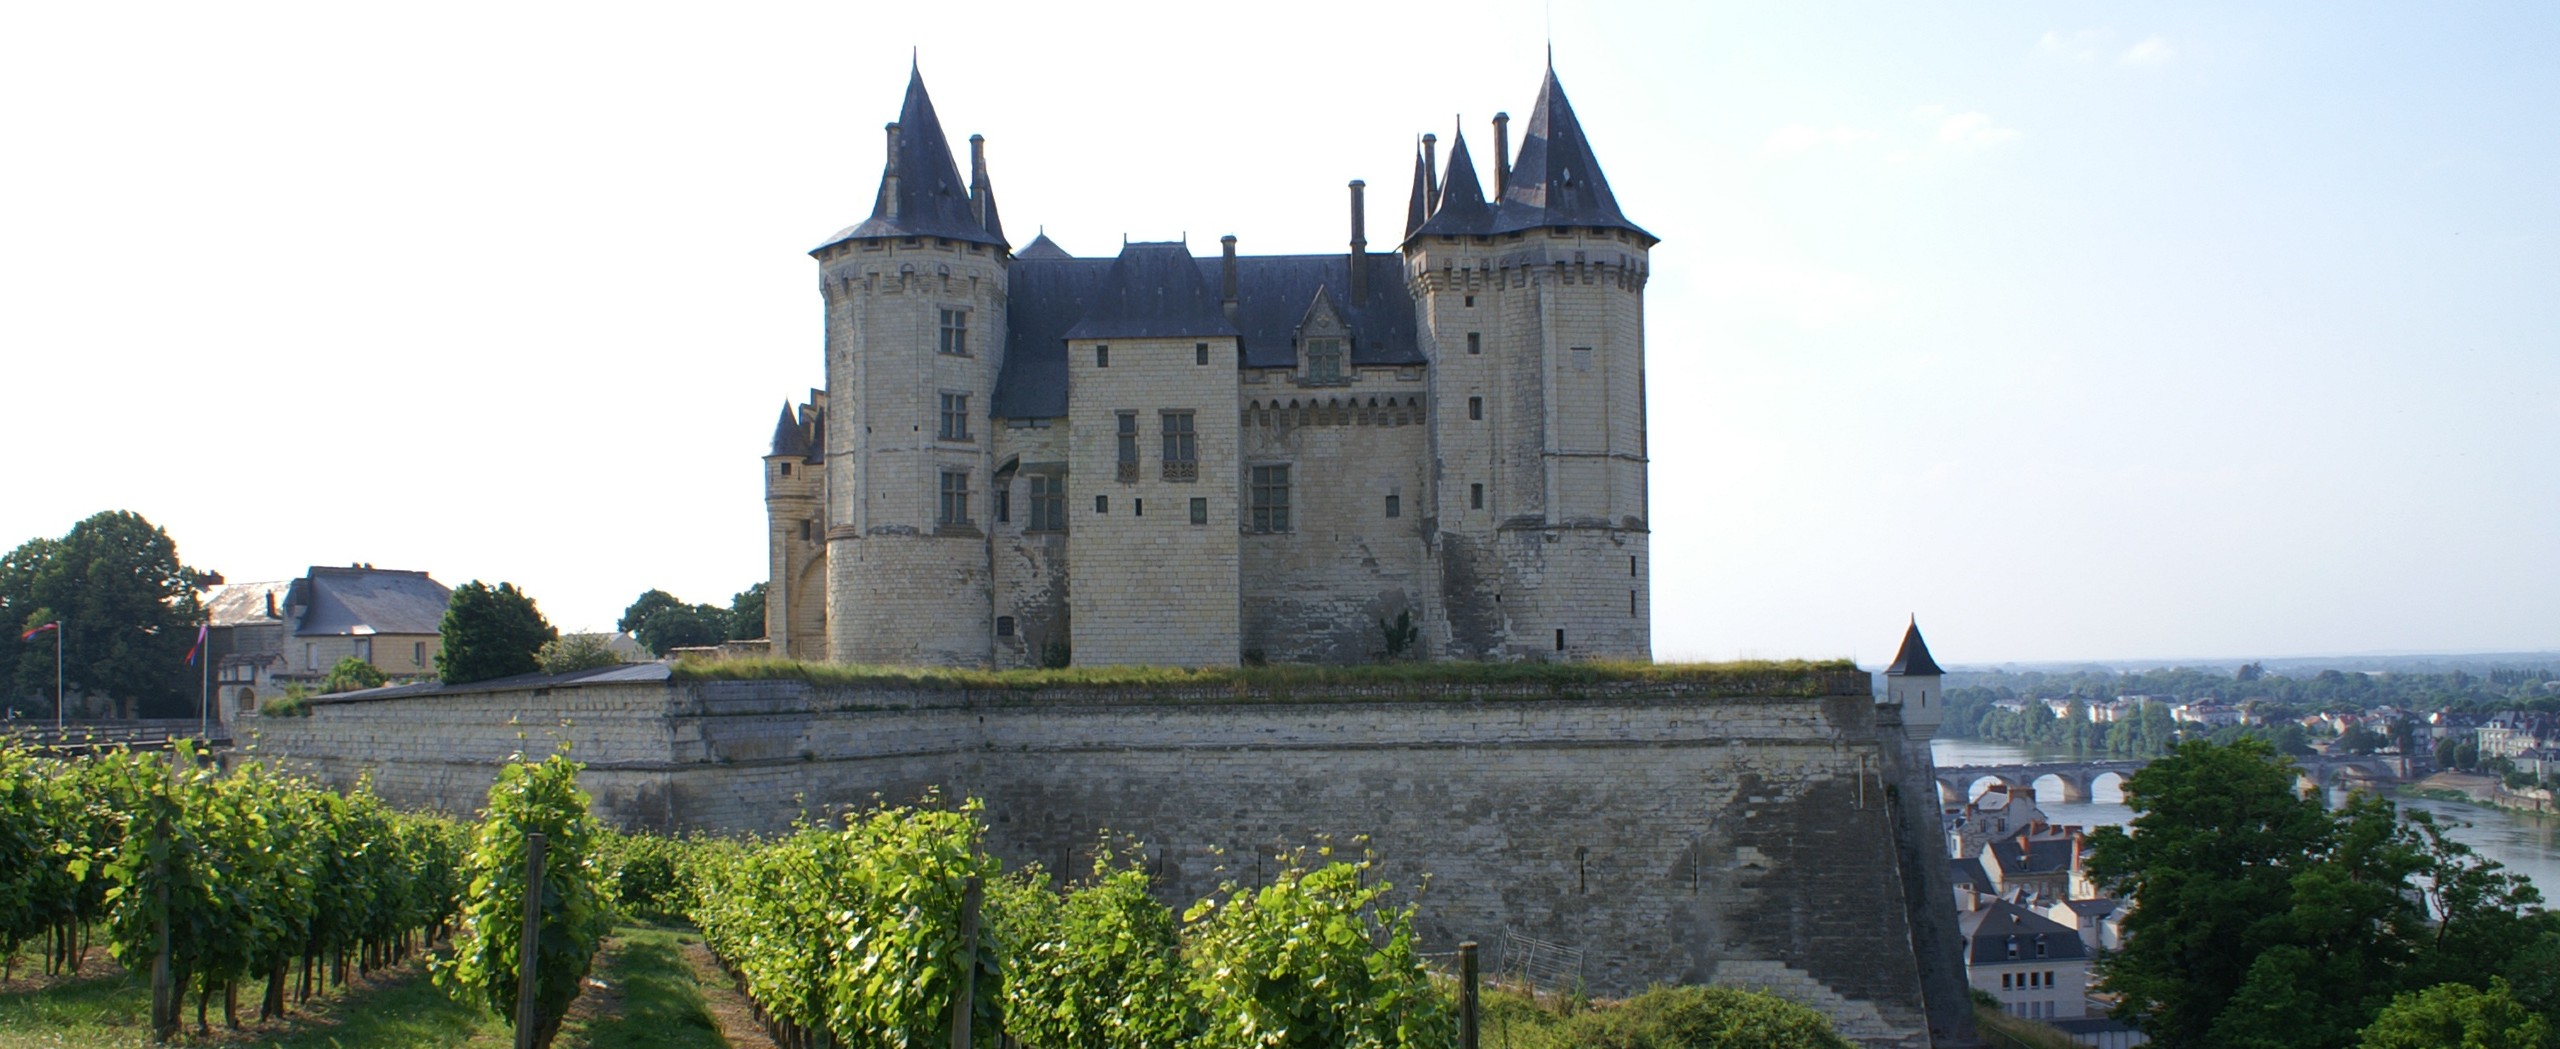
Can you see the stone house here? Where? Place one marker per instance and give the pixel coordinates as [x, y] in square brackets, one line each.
[2037, 967]
[1025, 457]
[267, 636]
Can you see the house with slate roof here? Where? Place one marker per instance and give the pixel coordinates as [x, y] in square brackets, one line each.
[1026, 456]
[2037, 967]
[264, 637]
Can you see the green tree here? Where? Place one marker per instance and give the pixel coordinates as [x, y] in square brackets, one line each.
[128, 609]
[746, 614]
[2358, 739]
[2210, 859]
[660, 622]
[639, 611]
[2457, 1016]
[351, 674]
[491, 632]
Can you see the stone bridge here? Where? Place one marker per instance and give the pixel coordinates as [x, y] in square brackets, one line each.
[1955, 785]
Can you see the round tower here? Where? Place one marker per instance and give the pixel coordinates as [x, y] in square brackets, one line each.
[1531, 307]
[915, 304]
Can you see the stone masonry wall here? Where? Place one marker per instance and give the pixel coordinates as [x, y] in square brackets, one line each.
[1153, 584]
[1317, 592]
[1672, 838]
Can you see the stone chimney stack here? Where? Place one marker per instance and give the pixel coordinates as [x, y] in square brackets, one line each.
[1431, 167]
[978, 179]
[889, 179]
[1227, 276]
[1359, 245]
[1501, 155]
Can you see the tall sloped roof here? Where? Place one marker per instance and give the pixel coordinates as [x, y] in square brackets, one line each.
[1462, 204]
[363, 600]
[921, 192]
[2001, 925]
[1556, 179]
[787, 437]
[1913, 659]
[1417, 209]
[1153, 290]
[1047, 296]
[239, 604]
[1041, 247]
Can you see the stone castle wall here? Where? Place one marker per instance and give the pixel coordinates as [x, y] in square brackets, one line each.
[1671, 837]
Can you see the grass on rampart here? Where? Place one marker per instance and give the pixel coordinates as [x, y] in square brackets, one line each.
[1789, 678]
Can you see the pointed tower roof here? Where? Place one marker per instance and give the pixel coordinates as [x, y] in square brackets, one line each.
[1556, 180]
[921, 194]
[788, 438]
[1418, 208]
[1913, 660]
[1154, 291]
[1041, 247]
[1462, 206]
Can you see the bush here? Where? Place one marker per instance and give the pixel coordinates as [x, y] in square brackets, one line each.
[528, 798]
[651, 876]
[569, 653]
[1705, 1018]
[1100, 969]
[1315, 960]
[352, 674]
[294, 703]
[490, 632]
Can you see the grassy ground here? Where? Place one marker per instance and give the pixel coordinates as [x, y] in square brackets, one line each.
[1789, 678]
[2003, 1031]
[643, 995]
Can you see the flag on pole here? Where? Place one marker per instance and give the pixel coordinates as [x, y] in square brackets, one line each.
[198, 647]
[47, 628]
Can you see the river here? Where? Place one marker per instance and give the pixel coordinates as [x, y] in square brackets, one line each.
[2526, 844]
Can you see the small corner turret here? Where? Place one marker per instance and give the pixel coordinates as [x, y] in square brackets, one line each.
[1913, 684]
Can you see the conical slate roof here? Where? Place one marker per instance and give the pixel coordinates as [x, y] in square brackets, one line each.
[788, 438]
[1556, 179]
[921, 191]
[1462, 206]
[1418, 208]
[1913, 660]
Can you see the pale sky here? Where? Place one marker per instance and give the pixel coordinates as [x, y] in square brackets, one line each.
[2081, 331]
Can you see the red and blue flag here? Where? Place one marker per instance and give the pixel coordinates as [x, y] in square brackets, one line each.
[46, 628]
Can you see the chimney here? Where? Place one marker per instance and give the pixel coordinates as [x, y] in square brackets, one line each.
[1359, 245]
[978, 179]
[889, 179]
[1501, 155]
[1431, 167]
[1227, 277]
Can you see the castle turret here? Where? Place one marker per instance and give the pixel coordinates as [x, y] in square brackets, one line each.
[913, 294]
[1531, 308]
[795, 494]
[1913, 683]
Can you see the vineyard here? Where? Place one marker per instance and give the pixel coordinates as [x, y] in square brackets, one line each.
[890, 927]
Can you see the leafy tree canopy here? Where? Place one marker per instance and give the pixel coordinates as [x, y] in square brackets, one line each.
[660, 621]
[128, 609]
[2456, 1014]
[491, 632]
[746, 614]
[572, 652]
[351, 674]
[2265, 920]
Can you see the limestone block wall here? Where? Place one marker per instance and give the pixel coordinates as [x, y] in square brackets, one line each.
[795, 600]
[1672, 836]
[1030, 564]
[1316, 593]
[909, 583]
[1154, 584]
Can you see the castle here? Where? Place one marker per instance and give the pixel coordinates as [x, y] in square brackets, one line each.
[1025, 457]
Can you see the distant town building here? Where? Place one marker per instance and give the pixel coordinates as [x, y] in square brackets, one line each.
[2037, 967]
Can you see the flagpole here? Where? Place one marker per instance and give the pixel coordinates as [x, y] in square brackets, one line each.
[57, 681]
[204, 691]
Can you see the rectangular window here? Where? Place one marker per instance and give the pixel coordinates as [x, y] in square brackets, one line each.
[1631, 602]
[806, 527]
[1475, 497]
[1004, 626]
[1270, 499]
[1199, 353]
[1199, 511]
[1102, 356]
[1582, 358]
[1101, 504]
[364, 649]
[1475, 342]
[1004, 504]
[1631, 566]
[786, 469]
[955, 417]
[955, 332]
[1393, 507]
[417, 653]
[955, 497]
[310, 657]
[1324, 360]
[1559, 640]
[1137, 508]
[1048, 504]
[1181, 448]
[1475, 407]
[1128, 447]
[1471, 302]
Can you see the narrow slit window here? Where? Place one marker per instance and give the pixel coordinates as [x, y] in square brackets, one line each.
[1475, 342]
[1102, 356]
[1475, 497]
[1475, 407]
[1199, 353]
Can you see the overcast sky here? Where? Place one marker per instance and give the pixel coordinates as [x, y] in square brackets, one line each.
[2081, 331]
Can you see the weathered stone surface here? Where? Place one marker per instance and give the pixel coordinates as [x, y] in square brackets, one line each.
[1671, 837]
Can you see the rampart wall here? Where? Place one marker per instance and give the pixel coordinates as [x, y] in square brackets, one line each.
[1670, 836]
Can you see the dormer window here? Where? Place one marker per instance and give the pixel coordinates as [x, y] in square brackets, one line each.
[1324, 360]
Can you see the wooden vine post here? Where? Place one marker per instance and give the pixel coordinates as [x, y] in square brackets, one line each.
[964, 999]
[1467, 995]
[164, 1006]
[528, 949]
